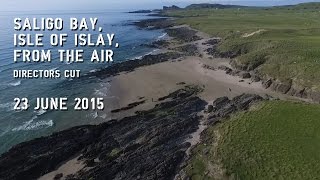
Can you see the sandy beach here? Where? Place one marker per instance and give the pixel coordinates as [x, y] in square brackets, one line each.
[152, 82]
[147, 84]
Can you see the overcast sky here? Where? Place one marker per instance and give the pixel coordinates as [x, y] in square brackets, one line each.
[26, 5]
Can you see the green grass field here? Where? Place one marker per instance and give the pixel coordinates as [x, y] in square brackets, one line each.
[288, 46]
[274, 140]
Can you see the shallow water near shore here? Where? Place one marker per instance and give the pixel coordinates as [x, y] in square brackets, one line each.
[19, 126]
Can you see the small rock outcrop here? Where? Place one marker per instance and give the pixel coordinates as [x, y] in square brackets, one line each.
[213, 51]
[281, 87]
[255, 78]
[226, 69]
[267, 83]
[188, 50]
[131, 65]
[223, 107]
[245, 75]
[183, 34]
[205, 66]
[141, 12]
[152, 24]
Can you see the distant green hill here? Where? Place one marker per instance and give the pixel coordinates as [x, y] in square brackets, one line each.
[207, 5]
[312, 5]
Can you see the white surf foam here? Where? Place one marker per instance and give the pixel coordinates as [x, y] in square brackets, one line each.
[32, 125]
[162, 36]
[93, 115]
[40, 112]
[17, 83]
[53, 69]
[149, 53]
[93, 70]
[7, 106]
[103, 90]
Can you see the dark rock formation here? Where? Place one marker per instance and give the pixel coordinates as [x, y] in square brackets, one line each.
[209, 108]
[214, 6]
[235, 73]
[226, 69]
[255, 78]
[187, 92]
[205, 66]
[183, 34]
[131, 65]
[140, 12]
[181, 83]
[130, 106]
[267, 83]
[149, 145]
[245, 75]
[152, 24]
[30, 160]
[282, 87]
[217, 54]
[169, 8]
[58, 176]
[298, 92]
[223, 107]
[158, 44]
[213, 42]
[188, 50]
[288, 87]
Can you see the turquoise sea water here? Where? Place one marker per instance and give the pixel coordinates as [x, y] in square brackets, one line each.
[16, 127]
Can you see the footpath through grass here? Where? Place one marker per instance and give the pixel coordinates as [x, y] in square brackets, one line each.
[274, 140]
[286, 44]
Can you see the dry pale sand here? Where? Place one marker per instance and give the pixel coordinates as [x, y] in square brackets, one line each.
[152, 82]
[155, 81]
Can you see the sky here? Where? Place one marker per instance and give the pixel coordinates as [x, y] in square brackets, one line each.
[31, 5]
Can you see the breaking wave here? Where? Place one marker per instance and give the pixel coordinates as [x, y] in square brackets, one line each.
[32, 125]
[162, 36]
[17, 83]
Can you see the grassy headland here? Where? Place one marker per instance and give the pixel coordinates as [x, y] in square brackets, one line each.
[274, 140]
[281, 42]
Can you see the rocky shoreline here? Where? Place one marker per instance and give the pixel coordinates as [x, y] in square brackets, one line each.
[149, 145]
[152, 143]
[284, 87]
[220, 110]
[183, 34]
[180, 34]
[287, 87]
[131, 65]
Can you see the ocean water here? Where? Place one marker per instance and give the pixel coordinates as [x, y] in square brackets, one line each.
[19, 126]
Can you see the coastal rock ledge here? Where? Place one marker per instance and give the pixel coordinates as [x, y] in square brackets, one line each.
[149, 145]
